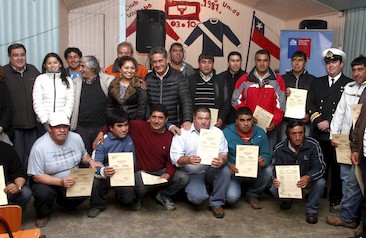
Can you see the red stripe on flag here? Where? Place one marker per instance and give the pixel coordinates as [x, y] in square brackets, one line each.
[266, 44]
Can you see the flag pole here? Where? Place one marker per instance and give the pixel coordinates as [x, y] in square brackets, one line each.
[250, 40]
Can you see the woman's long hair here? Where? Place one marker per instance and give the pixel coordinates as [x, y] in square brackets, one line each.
[62, 69]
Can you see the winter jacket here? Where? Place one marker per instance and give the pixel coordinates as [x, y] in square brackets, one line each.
[5, 106]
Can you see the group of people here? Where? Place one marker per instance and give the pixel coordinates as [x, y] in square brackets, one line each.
[51, 122]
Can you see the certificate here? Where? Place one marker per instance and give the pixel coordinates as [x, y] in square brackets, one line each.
[264, 118]
[149, 179]
[247, 160]
[83, 184]
[123, 165]
[288, 175]
[358, 173]
[3, 196]
[343, 151]
[356, 110]
[208, 145]
[214, 115]
[296, 103]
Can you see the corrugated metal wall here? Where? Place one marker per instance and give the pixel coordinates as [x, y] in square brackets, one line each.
[32, 23]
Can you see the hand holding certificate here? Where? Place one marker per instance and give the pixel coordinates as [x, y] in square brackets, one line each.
[214, 115]
[343, 151]
[123, 165]
[247, 160]
[296, 103]
[208, 145]
[289, 176]
[84, 183]
[264, 118]
[3, 196]
[149, 179]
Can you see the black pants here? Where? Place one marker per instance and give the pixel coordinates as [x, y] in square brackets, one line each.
[362, 163]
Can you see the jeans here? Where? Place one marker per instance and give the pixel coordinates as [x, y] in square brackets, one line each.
[22, 199]
[257, 185]
[219, 178]
[315, 189]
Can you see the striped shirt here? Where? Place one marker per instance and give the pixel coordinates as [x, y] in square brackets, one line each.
[205, 93]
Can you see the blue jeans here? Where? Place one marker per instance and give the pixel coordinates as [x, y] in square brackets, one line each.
[219, 178]
[257, 185]
[22, 199]
[353, 195]
[315, 190]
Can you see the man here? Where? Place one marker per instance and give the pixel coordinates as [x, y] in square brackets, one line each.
[117, 140]
[183, 153]
[262, 87]
[125, 49]
[72, 56]
[245, 132]
[52, 157]
[231, 75]
[20, 78]
[305, 152]
[297, 78]
[15, 177]
[342, 124]
[176, 55]
[90, 95]
[208, 89]
[168, 86]
[323, 98]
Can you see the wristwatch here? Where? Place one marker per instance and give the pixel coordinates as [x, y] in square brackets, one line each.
[20, 189]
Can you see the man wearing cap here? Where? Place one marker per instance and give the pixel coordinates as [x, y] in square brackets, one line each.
[323, 98]
[52, 157]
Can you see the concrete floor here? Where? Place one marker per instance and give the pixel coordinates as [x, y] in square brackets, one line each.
[152, 220]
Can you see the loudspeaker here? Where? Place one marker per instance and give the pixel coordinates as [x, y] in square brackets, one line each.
[313, 24]
[150, 30]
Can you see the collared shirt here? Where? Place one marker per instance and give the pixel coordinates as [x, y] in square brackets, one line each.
[74, 76]
[90, 81]
[259, 77]
[335, 79]
[206, 78]
[162, 77]
[19, 71]
[186, 144]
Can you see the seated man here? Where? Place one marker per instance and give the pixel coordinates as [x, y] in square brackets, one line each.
[183, 153]
[117, 140]
[52, 157]
[245, 132]
[304, 151]
[15, 177]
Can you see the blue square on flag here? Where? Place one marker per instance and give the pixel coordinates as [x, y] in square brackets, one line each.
[292, 46]
[258, 24]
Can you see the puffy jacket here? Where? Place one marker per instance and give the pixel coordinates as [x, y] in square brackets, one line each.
[50, 94]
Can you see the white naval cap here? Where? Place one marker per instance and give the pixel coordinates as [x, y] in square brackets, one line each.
[334, 54]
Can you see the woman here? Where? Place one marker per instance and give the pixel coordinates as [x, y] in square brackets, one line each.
[52, 90]
[125, 92]
[5, 109]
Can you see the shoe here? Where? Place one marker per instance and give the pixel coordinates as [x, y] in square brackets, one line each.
[362, 235]
[135, 205]
[93, 212]
[358, 230]
[218, 212]
[253, 202]
[335, 202]
[165, 201]
[336, 221]
[286, 205]
[42, 222]
[312, 218]
[336, 209]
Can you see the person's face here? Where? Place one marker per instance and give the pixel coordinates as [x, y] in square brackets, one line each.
[202, 120]
[262, 63]
[18, 58]
[159, 63]
[128, 70]
[244, 123]
[333, 67]
[124, 51]
[119, 129]
[157, 121]
[86, 73]
[58, 133]
[206, 66]
[359, 73]
[73, 60]
[298, 64]
[234, 63]
[296, 135]
[52, 65]
[176, 55]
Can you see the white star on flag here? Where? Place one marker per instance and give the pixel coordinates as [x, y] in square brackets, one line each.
[259, 26]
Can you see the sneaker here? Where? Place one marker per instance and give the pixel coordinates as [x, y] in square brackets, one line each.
[312, 218]
[286, 205]
[42, 222]
[336, 221]
[135, 205]
[336, 209]
[165, 201]
[218, 212]
[253, 202]
[93, 212]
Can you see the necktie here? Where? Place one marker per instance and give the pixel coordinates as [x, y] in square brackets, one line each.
[332, 82]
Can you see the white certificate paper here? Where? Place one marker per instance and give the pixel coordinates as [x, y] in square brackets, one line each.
[149, 179]
[3, 196]
[208, 145]
[247, 160]
[356, 110]
[343, 151]
[296, 103]
[123, 165]
[84, 182]
[264, 117]
[214, 115]
[288, 175]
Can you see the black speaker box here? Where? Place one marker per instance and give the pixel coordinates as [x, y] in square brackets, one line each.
[313, 24]
[150, 30]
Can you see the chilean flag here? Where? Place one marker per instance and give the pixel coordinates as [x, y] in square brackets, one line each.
[260, 39]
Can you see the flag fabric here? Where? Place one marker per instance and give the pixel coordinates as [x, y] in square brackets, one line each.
[260, 39]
